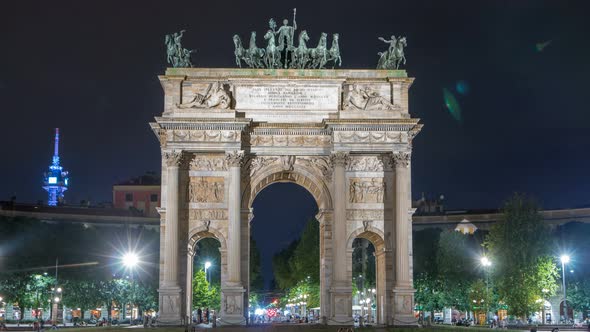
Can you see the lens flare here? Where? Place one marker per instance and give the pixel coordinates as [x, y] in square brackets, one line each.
[541, 46]
[452, 104]
[462, 87]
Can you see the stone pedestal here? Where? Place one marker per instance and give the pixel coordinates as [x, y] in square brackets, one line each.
[403, 307]
[341, 299]
[232, 308]
[170, 311]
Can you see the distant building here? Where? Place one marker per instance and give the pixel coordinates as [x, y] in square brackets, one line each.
[56, 180]
[140, 194]
[466, 227]
[429, 206]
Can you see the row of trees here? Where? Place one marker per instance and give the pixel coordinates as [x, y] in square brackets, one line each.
[523, 269]
[90, 270]
[38, 291]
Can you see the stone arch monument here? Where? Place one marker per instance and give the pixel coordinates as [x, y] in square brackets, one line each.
[344, 135]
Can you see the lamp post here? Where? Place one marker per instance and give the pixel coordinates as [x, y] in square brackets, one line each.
[486, 263]
[374, 302]
[564, 259]
[368, 302]
[130, 260]
[207, 266]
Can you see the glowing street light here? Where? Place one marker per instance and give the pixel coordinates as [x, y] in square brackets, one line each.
[564, 260]
[207, 266]
[485, 261]
[130, 259]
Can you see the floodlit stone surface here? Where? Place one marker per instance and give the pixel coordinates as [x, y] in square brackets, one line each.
[344, 135]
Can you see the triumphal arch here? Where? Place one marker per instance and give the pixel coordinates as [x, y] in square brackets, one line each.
[344, 135]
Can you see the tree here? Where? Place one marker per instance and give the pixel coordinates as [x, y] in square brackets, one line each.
[455, 269]
[519, 247]
[284, 275]
[256, 281]
[82, 294]
[578, 294]
[306, 257]
[428, 296]
[203, 295]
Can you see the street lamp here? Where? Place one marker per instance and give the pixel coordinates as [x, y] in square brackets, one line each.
[130, 259]
[564, 260]
[486, 263]
[207, 266]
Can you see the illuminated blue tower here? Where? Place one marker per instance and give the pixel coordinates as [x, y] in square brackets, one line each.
[56, 180]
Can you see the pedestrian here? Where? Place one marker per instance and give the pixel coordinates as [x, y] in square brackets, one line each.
[207, 314]
[200, 315]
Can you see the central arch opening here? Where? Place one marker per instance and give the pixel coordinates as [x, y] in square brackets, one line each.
[286, 233]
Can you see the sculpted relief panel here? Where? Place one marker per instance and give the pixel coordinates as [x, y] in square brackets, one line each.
[368, 137]
[208, 163]
[206, 135]
[366, 190]
[203, 95]
[206, 189]
[289, 140]
[359, 97]
[365, 164]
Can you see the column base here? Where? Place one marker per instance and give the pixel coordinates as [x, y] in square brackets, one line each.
[232, 299]
[170, 314]
[403, 307]
[341, 305]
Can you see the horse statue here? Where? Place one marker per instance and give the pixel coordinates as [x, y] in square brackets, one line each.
[319, 55]
[272, 58]
[300, 55]
[392, 58]
[240, 51]
[254, 55]
[334, 52]
[399, 52]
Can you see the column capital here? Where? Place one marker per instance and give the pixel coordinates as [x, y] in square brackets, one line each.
[235, 158]
[173, 158]
[339, 158]
[401, 159]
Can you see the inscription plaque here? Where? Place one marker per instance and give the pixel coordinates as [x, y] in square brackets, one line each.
[287, 97]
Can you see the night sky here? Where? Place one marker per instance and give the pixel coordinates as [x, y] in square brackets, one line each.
[517, 69]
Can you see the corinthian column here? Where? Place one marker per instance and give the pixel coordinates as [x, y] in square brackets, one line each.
[341, 289]
[170, 306]
[403, 292]
[402, 223]
[173, 160]
[339, 160]
[234, 161]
